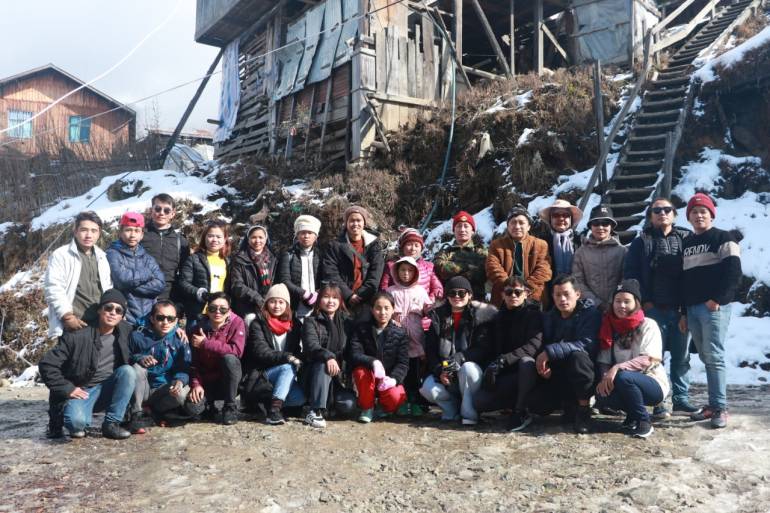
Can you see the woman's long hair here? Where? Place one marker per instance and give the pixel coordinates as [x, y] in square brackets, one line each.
[222, 225]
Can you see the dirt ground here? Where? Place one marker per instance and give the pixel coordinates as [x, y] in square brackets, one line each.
[393, 465]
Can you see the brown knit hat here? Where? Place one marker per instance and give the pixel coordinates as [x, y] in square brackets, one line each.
[357, 209]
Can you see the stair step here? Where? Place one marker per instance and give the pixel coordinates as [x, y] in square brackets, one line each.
[671, 81]
[646, 138]
[640, 163]
[667, 92]
[655, 126]
[641, 205]
[670, 75]
[645, 153]
[682, 67]
[646, 105]
[658, 114]
[641, 192]
[639, 180]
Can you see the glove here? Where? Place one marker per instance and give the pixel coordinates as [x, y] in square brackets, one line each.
[491, 372]
[312, 299]
[202, 295]
[386, 384]
[379, 370]
[426, 322]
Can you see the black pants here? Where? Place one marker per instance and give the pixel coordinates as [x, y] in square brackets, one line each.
[511, 388]
[326, 392]
[227, 387]
[413, 380]
[572, 379]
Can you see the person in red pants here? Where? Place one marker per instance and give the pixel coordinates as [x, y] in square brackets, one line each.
[379, 356]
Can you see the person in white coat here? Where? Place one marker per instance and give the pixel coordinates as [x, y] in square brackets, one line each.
[76, 276]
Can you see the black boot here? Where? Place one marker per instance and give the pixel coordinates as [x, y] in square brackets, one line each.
[274, 416]
[229, 414]
[114, 431]
[583, 420]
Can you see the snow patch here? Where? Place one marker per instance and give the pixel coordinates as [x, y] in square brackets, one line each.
[28, 378]
[525, 137]
[708, 73]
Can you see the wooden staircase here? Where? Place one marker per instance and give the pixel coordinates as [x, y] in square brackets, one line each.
[639, 172]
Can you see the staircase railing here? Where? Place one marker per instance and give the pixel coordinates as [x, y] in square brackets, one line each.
[672, 143]
[709, 8]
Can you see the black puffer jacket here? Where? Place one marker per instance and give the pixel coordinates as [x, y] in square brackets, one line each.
[248, 295]
[261, 350]
[195, 274]
[170, 249]
[72, 361]
[469, 343]
[324, 338]
[517, 333]
[290, 272]
[337, 266]
[393, 351]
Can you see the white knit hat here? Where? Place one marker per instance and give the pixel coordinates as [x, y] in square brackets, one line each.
[279, 291]
[307, 223]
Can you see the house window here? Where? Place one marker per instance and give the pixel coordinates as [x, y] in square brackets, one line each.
[15, 119]
[80, 129]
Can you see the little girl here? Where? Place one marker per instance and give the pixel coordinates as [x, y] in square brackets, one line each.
[379, 355]
[411, 244]
[411, 303]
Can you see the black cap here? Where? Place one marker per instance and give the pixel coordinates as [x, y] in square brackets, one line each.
[113, 296]
[602, 212]
[631, 287]
[458, 282]
[519, 210]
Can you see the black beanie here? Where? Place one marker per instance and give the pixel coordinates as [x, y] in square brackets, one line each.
[458, 282]
[631, 287]
[113, 296]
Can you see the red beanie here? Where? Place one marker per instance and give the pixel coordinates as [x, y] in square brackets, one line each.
[410, 235]
[463, 217]
[701, 200]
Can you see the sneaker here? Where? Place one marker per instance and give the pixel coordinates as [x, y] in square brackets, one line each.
[366, 416]
[403, 410]
[379, 413]
[583, 420]
[469, 422]
[643, 429]
[628, 424]
[275, 418]
[78, 434]
[416, 410]
[114, 431]
[211, 413]
[518, 421]
[229, 415]
[704, 413]
[719, 419]
[138, 423]
[686, 407]
[315, 419]
[660, 412]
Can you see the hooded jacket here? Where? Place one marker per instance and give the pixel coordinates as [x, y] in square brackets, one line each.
[230, 338]
[411, 301]
[137, 275]
[248, 295]
[535, 259]
[338, 266]
[598, 268]
[169, 248]
[173, 355]
[427, 278]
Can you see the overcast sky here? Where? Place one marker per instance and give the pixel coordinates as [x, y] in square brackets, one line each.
[87, 37]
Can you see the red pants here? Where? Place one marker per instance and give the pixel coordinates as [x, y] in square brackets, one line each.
[390, 399]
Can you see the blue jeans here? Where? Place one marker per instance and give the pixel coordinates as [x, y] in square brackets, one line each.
[285, 386]
[709, 330]
[631, 393]
[458, 395]
[111, 395]
[675, 342]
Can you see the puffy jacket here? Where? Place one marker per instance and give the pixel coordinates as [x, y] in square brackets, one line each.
[337, 265]
[61, 282]
[598, 268]
[230, 338]
[248, 295]
[169, 248]
[262, 352]
[195, 274]
[500, 262]
[468, 343]
[137, 275]
[290, 272]
[579, 332]
[318, 342]
[516, 333]
[391, 349]
[72, 362]
[173, 355]
[655, 261]
[427, 279]
[411, 301]
[469, 260]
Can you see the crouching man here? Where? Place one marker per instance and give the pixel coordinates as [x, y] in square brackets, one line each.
[88, 370]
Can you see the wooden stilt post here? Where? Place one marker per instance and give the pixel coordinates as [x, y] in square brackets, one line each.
[327, 109]
[491, 36]
[512, 35]
[310, 117]
[459, 32]
[290, 134]
[538, 37]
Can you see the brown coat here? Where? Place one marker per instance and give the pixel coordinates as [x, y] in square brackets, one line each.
[537, 265]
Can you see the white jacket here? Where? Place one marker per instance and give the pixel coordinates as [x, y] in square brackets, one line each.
[61, 282]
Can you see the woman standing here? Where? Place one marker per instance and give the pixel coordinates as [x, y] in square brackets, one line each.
[252, 273]
[205, 272]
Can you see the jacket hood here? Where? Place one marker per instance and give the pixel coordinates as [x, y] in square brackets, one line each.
[121, 246]
[410, 261]
[529, 304]
[245, 239]
[242, 255]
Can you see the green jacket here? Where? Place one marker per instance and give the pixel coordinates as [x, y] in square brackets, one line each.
[469, 261]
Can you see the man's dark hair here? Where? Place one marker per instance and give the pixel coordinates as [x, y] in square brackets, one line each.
[384, 295]
[163, 198]
[564, 279]
[88, 215]
[163, 303]
[218, 295]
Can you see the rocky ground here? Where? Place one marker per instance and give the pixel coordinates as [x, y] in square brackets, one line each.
[400, 465]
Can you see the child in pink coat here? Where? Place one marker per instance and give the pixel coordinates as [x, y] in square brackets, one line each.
[411, 303]
[411, 244]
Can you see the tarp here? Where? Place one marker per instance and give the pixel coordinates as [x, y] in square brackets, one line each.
[186, 159]
[327, 46]
[290, 57]
[314, 21]
[230, 96]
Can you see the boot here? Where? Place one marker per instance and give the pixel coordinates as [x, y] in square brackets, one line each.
[274, 416]
[229, 414]
[583, 420]
[114, 431]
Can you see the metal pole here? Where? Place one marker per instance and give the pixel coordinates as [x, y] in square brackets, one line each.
[599, 111]
[512, 35]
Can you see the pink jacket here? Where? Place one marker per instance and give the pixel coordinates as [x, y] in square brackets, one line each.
[230, 338]
[427, 280]
[411, 303]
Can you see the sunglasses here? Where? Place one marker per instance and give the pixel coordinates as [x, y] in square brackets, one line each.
[461, 293]
[601, 222]
[219, 309]
[113, 308]
[162, 210]
[510, 291]
[662, 210]
[561, 214]
[165, 318]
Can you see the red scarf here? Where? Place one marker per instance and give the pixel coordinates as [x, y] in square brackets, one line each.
[612, 325]
[277, 326]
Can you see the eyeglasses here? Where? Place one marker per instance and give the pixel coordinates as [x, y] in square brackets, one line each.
[109, 308]
[162, 210]
[219, 309]
[662, 210]
[510, 291]
[601, 222]
[461, 293]
[165, 318]
[561, 214]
